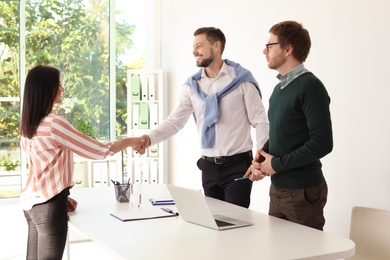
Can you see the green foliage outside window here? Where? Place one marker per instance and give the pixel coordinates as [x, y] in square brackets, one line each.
[7, 163]
[73, 36]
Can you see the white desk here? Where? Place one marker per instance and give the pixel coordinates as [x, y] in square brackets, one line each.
[173, 238]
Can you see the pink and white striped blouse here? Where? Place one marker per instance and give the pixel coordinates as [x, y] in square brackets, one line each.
[50, 158]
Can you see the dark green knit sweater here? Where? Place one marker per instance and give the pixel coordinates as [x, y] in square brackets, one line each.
[300, 132]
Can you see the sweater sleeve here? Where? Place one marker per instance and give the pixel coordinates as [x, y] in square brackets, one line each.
[266, 146]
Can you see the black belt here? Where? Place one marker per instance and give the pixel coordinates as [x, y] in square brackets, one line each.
[225, 159]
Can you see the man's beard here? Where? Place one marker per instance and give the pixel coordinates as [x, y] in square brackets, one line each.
[276, 62]
[206, 62]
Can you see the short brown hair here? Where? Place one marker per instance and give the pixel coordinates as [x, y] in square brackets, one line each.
[291, 32]
[212, 35]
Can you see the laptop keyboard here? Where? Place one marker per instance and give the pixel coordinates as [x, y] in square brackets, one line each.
[221, 223]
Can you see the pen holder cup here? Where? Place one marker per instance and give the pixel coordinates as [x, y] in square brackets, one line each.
[122, 192]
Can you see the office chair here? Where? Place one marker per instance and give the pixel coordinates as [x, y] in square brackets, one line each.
[370, 230]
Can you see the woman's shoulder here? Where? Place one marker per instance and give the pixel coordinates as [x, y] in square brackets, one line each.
[54, 117]
[50, 117]
[56, 120]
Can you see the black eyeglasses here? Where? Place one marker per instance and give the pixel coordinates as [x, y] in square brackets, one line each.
[270, 44]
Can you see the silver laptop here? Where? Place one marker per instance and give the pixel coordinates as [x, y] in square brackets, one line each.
[193, 208]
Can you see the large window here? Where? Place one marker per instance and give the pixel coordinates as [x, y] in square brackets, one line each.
[10, 180]
[79, 38]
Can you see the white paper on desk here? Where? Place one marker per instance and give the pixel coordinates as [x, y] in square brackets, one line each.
[141, 214]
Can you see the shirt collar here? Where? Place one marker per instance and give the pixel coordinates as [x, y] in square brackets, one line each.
[291, 75]
[224, 70]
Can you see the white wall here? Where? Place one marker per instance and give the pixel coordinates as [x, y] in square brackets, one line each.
[350, 54]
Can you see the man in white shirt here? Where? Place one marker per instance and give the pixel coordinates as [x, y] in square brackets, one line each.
[225, 101]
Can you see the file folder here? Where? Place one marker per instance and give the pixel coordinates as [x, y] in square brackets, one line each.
[112, 169]
[153, 172]
[79, 176]
[145, 172]
[137, 172]
[152, 87]
[153, 110]
[100, 173]
[135, 87]
[136, 114]
[144, 116]
[144, 87]
[153, 151]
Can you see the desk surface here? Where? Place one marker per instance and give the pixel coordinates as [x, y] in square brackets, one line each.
[173, 238]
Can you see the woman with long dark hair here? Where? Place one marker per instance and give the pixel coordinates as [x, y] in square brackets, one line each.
[49, 141]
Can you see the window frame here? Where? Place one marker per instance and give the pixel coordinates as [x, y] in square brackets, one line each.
[152, 59]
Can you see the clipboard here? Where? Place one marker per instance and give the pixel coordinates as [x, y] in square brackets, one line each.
[143, 214]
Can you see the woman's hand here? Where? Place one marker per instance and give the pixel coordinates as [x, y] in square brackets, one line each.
[72, 204]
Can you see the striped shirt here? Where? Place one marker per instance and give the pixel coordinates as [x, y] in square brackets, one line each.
[50, 158]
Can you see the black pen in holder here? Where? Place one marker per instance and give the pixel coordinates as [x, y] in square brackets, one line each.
[122, 192]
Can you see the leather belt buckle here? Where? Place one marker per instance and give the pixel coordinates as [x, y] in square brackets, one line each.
[219, 160]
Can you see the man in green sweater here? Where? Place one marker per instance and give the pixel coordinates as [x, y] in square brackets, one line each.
[300, 131]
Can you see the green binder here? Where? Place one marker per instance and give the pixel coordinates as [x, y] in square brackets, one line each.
[144, 116]
[135, 87]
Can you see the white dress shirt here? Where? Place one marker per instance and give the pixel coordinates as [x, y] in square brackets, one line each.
[238, 111]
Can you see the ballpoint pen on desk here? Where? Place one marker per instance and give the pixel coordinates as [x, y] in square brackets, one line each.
[170, 211]
[162, 202]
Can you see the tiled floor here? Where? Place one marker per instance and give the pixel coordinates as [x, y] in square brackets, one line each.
[13, 237]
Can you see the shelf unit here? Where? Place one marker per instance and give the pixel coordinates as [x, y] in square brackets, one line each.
[146, 108]
[96, 173]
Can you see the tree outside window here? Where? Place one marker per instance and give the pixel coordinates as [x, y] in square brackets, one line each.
[73, 36]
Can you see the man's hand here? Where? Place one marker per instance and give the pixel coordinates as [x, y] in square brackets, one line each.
[253, 172]
[145, 140]
[263, 163]
[254, 175]
[261, 166]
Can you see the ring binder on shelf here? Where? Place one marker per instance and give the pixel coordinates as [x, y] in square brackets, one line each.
[146, 106]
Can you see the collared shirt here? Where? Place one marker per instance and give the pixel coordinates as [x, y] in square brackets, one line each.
[50, 158]
[291, 75]
[238, 111]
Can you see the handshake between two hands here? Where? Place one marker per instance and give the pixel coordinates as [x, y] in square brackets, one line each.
[141, 143]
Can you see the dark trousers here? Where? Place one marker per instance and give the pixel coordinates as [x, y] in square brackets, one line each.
[303, 206]
[47, 228]
[218, 181]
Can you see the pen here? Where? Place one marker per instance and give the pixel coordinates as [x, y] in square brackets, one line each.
[160, 201]
[116, 182]
[242, 178]
[170, 211]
